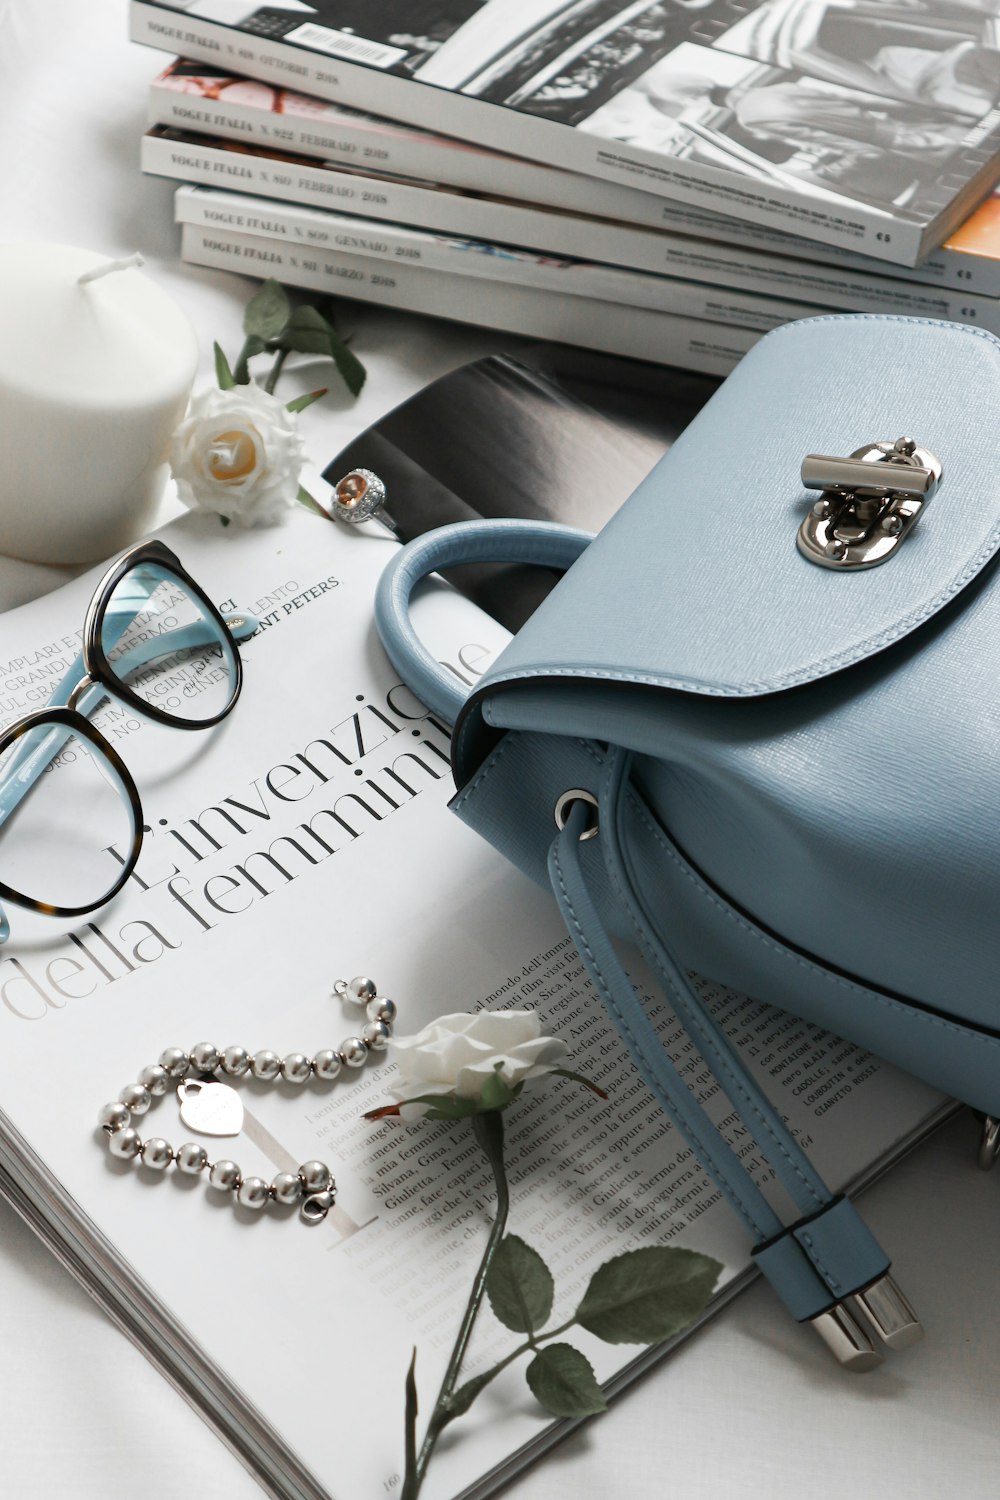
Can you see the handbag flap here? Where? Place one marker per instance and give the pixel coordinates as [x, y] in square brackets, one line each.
[697, 584]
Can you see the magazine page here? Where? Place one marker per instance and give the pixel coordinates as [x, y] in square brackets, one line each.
[854, 112]
[305, 839]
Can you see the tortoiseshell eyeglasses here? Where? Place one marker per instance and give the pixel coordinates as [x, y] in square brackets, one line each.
[153, 642]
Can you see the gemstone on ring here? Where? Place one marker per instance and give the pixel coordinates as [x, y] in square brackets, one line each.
[359, 496]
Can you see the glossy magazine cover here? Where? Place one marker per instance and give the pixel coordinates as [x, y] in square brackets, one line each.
[888, 104]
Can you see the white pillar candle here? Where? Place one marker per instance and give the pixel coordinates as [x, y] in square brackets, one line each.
[95, 374]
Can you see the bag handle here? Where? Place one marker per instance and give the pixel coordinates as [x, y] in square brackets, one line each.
[542, 543]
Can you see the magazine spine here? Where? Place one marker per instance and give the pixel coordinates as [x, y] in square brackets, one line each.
[748, 288]
[362, 143]
[365, 143]
[949, 268]
[638, 333]
[441, 110]
[315, 229]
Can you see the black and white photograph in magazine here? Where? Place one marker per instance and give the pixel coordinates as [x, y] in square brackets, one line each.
[872, 111]
[774, 123]
[872, 102]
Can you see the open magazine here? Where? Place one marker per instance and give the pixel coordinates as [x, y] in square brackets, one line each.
[306, 838]
[870, 125]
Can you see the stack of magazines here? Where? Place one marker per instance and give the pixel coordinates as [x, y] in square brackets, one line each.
[657, 179]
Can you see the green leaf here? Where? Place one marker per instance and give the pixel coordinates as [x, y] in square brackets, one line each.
[352, 372]
[267, 312]
[562, 1381]
[304, 498]
[241, 370]
[301, 402]
[223, 374]
[519, 1285]
[647, 1295]
[308, 332]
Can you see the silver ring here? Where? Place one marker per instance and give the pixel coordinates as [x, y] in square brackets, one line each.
[576, 794]
[360, 497]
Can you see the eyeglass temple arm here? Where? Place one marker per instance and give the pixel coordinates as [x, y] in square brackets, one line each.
[25, 766]
[241, 627]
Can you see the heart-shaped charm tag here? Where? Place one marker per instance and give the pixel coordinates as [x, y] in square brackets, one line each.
[210, 1108]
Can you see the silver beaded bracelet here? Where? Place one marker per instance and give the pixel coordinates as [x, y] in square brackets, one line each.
[210, 1107]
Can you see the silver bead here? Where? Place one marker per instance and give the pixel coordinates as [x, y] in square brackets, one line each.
[315, 1208]
[361, 989]
[296, 1067]
[265, 1065]
[235, 1061]
[114, 1116]
[225, 1175]
[353, 1051]
[327, 1064]
[286, 1188]
[174, 1060]
[125, 1143]
[375, 1036]
[191, 1158]
[253, 1192]
[315, 1177]
[204, 1057]
[381, 1009]
[157, 1153]
[136, 1098]
[155, 1079]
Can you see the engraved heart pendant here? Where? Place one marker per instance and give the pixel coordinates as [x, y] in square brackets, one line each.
[210, 1108]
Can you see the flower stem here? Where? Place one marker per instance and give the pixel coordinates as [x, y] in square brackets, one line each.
[534, 1341]
[241, 369]
[275, 370]
[488, 1129]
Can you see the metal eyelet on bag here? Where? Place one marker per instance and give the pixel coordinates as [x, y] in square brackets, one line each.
[576, 794]
[870, 503]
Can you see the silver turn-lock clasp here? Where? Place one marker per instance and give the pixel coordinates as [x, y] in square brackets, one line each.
[870, 502]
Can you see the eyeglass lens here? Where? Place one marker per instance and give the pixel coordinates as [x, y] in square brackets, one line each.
[62, 807]
[166, 649]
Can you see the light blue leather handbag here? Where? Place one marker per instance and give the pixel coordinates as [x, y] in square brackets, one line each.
[754, 731]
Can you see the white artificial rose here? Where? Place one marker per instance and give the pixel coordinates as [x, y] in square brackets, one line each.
[456, 1054]
[238, 453]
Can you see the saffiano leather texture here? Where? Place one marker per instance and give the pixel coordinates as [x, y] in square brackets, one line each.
[796, 767]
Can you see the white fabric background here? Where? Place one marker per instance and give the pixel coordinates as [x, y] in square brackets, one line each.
[753, 1406]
